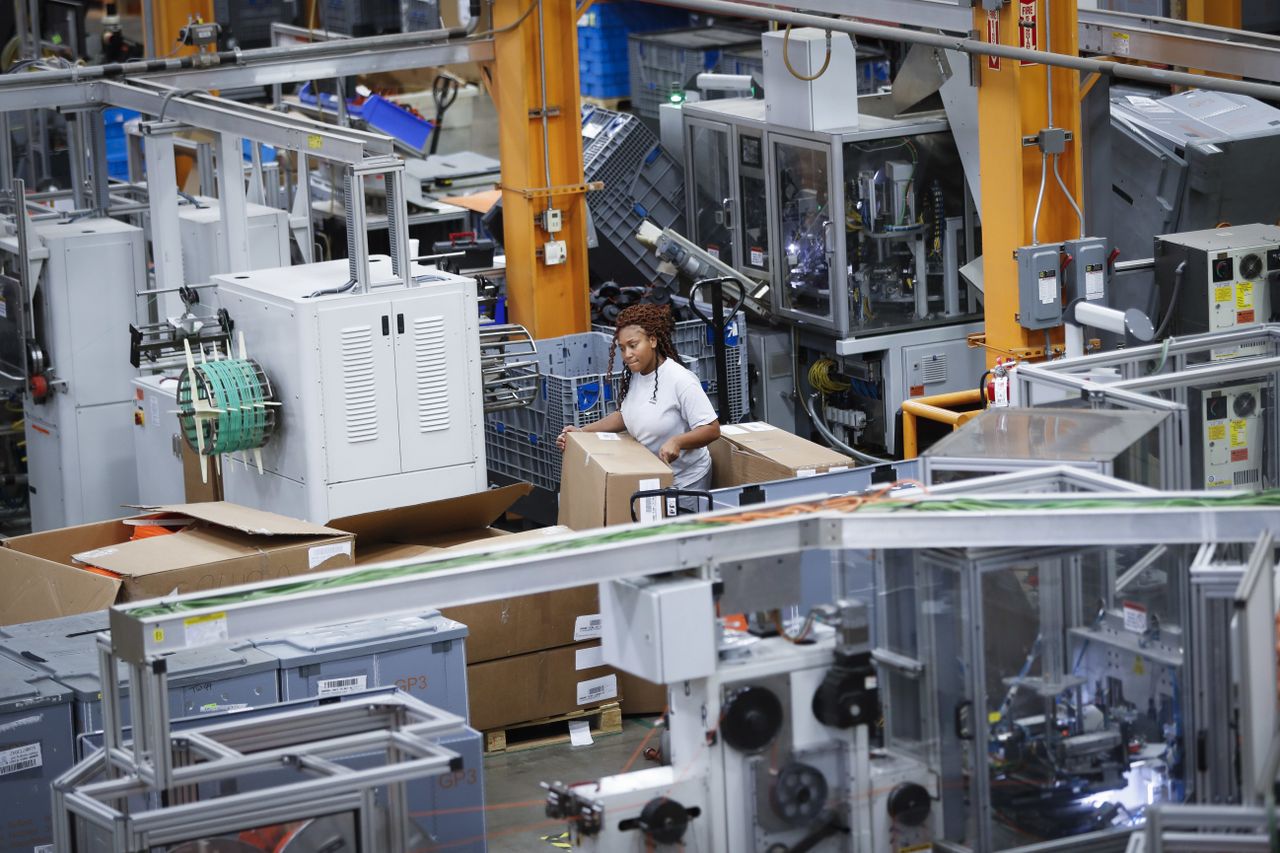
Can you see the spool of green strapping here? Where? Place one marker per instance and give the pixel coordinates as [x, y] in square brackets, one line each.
[226, 406]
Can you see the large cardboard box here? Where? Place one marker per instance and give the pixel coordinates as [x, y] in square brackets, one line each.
[429, 528]
[640, 696]
[45, 575]
[529, 623]
[759, 452]
[599, 474]
[543, 684]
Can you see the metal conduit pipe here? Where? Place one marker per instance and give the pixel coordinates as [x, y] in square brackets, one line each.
[975, 47]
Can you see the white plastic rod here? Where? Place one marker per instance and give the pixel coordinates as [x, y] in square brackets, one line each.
[1100, 317]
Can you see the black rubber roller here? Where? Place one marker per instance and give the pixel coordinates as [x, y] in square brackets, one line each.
[752, 719]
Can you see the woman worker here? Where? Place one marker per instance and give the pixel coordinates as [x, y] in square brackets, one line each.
[662, 404]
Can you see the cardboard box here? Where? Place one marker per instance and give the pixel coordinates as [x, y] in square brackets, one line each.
[535, 686]
[43, 575]
[429, 528]
[759, 452]
[599, 474]
[640, 697]
[529, 623]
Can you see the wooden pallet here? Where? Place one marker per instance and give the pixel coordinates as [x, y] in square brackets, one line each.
[605, 720]
[614, 104]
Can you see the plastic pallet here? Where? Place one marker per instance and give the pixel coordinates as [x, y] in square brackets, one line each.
[664, 62]
[361, 17]
[642, 181]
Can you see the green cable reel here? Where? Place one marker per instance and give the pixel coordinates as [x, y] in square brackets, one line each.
[226, 406]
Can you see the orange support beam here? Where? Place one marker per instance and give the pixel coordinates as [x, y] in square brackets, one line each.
[1013, 104]
[549, 300]
[1217, 13]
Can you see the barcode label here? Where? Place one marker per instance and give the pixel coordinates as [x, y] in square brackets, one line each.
[597, 689]
[338, 686]
[27, 757]
[588, 627]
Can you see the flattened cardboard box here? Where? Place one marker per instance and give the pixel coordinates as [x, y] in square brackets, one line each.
[429, 528]
[44, 575]
[535, 686]
[759, 453]
[599, 474]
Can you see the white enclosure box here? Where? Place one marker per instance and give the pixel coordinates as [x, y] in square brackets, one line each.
[80, 457]
[157, 441]
[204, 242]
[660, 630]
[380, 392]
[829, 102]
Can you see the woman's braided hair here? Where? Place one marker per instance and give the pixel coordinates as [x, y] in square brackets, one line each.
[656, 320]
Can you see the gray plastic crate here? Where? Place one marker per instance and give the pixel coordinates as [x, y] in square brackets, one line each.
[419, 15]
[37, 744]
[201, 680]
[250, 20]
[576, 390]
[423, 655]
[641, 181]
[361, 17]
[667, 61]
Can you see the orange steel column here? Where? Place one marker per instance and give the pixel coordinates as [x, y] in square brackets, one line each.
[1012, 104]
[1218, 13]
[548, 300]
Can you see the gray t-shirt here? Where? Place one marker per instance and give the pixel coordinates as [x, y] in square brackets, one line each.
[681, 405]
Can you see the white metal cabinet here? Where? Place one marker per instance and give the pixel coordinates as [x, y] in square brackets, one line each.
[360, 408]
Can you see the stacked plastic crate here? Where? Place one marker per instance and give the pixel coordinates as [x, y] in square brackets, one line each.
[603, 68]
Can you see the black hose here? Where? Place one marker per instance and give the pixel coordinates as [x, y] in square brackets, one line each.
[982, 387]
[1178, 275]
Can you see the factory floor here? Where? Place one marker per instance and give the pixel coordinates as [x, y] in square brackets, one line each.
[514, 799]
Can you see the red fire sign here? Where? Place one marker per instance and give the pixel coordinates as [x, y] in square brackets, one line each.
[1028, 26]
[993, 37]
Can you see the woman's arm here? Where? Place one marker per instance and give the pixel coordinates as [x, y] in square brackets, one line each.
[609, 423]
[691, 440]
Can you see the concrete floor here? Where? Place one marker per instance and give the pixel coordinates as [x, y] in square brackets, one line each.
[514, 800]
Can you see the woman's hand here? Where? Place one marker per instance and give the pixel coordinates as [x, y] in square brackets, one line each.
[670, 451]
[560, 439]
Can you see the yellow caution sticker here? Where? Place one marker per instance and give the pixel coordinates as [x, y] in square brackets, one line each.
[315, 141]
[1222, 294]
[1217, 432]
[1239, 433]
[1138, 668]
[158, 635]
[1244, 295]
[205, 630]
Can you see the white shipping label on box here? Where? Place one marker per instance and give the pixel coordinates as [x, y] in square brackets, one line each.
[836, 469]
[318, 554]
[588, 627]
[29, 756]
[609, 436]
[730, 429]
[580, 733]
[588, 658]
[205, 630]
[338, 686]
[649, 510]
[759, 426]
[807, 472]
[597, 689]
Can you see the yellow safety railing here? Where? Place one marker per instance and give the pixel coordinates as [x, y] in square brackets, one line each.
[935, 409]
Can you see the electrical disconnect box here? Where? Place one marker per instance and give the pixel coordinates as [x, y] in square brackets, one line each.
[1228, 434]
[827, 101]
[1219, 279]
[1087, 273]
[1040, 286]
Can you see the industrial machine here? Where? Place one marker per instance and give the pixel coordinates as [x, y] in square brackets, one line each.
[875, 293]
[65, 314]
[1189, 161]
[1218, 279]
[770, 735]
[1224, 429]
[380, 390]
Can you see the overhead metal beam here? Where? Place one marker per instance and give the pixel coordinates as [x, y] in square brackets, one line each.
[295, 133]
[1179, 43]
[362, 58]
[603, 555]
